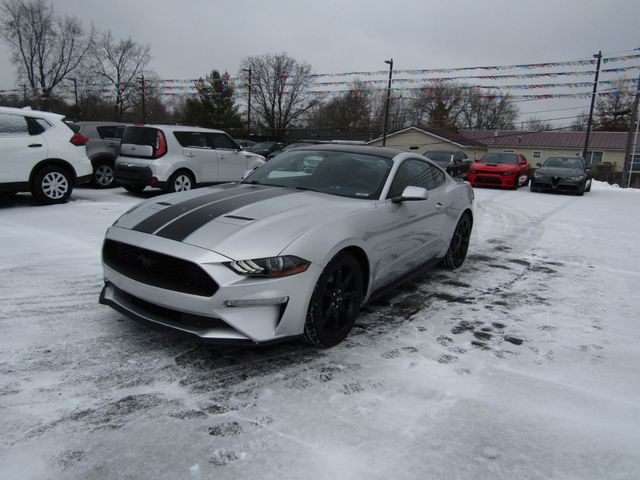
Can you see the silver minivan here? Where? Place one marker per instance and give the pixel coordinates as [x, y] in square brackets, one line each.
[179, 158]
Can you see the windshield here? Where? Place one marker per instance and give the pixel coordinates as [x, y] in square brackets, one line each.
[262, 145]
[510, 158]
[337, 173]
[441, 158]
[574, 163]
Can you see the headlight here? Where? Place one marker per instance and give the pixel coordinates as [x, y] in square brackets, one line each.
[578, 178]
[269, 267]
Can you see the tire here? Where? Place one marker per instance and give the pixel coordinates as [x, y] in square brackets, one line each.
[335, 302]
[588, 186]
[181, 181]
[134, 188]
[457, 252]
[103, 174]
[52, 185]
[532, 187]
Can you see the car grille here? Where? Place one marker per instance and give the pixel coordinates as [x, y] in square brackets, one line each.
[185, 319]
[484, 179]
[157, 269]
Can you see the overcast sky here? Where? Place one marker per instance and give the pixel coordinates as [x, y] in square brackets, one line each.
[190, 37]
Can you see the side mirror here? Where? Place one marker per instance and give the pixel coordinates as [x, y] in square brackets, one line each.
[476, 159]
[538, 164]
[412, 194]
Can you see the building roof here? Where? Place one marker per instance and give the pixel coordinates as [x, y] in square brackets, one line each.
[445, 135]
[553, 139]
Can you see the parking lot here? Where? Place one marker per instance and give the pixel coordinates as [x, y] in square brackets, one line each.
[524, 363]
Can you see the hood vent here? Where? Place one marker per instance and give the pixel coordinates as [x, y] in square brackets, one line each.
[236, 217]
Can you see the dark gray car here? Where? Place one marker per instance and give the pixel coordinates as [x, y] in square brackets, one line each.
[102, 149]
[562, 174]
[455, 163]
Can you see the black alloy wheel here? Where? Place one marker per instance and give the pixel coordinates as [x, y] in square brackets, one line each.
[335, 302]
[459, 245]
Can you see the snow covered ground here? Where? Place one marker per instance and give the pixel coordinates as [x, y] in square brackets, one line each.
[523, 364]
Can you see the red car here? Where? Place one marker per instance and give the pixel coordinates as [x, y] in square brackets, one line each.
[510, 170]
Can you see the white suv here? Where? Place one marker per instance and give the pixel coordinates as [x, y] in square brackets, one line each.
[40, 153]
[176, 158]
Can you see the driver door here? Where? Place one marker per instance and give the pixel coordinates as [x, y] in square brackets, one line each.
[414, 227]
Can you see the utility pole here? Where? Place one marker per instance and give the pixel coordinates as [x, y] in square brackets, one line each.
[593, 99]
[248, 70]
[631, 139]
[24, 94]
[144, 111]
[386, 111]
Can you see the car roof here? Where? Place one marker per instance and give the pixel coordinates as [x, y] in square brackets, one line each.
[176, 128]
[100, 123]
[385, 152]
[31, 113]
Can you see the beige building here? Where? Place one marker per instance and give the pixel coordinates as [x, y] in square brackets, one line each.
[606, 149]
[424, 139]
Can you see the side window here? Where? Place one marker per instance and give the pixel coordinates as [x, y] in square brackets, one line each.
[110, 132]
[13, 125]
[416, 174]
[221, 140]
[191, 139]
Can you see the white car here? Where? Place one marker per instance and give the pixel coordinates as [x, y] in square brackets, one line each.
[178, 158]
[40, 153]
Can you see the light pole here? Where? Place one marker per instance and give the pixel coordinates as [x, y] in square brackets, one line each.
[386, 111]
[248, 70]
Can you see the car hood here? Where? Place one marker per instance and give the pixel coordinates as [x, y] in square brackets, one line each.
[559, 172]
[239, 220]
[494, 167]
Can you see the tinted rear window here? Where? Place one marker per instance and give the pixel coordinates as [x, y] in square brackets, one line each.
[140, 136]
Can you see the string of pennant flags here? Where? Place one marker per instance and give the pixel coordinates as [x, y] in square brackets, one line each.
[189, 87]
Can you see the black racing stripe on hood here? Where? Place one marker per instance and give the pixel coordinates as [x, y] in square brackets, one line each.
[160, 219]
[189, 223]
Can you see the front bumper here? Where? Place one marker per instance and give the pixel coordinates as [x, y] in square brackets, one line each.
[559, 184]
[242, 309]
[490, 179]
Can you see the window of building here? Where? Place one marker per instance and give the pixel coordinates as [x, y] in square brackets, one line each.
[508, 151]
[537, 154]
[635, 163]
[594, 158]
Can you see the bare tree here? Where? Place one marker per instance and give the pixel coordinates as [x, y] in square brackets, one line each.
[349, 111]
[580, 122]
[439, 105]
[483, 111]
[45, 47]
[538, 124]
[120, 63]
[613, 112]
[279, 86]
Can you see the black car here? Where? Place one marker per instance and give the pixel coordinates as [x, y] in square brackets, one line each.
[265, 148]
[562, 174]
[456, 163]
[287, 148]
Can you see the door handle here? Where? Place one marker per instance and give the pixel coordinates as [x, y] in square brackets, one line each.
[189, 154]
[35, 145]
[440, 205]
[221, 155]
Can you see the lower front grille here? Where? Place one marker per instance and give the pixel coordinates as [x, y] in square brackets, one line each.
[182, 318]
[158, 269]
[492, 180]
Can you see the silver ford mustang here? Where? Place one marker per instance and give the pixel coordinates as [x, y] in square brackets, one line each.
[296, 248]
